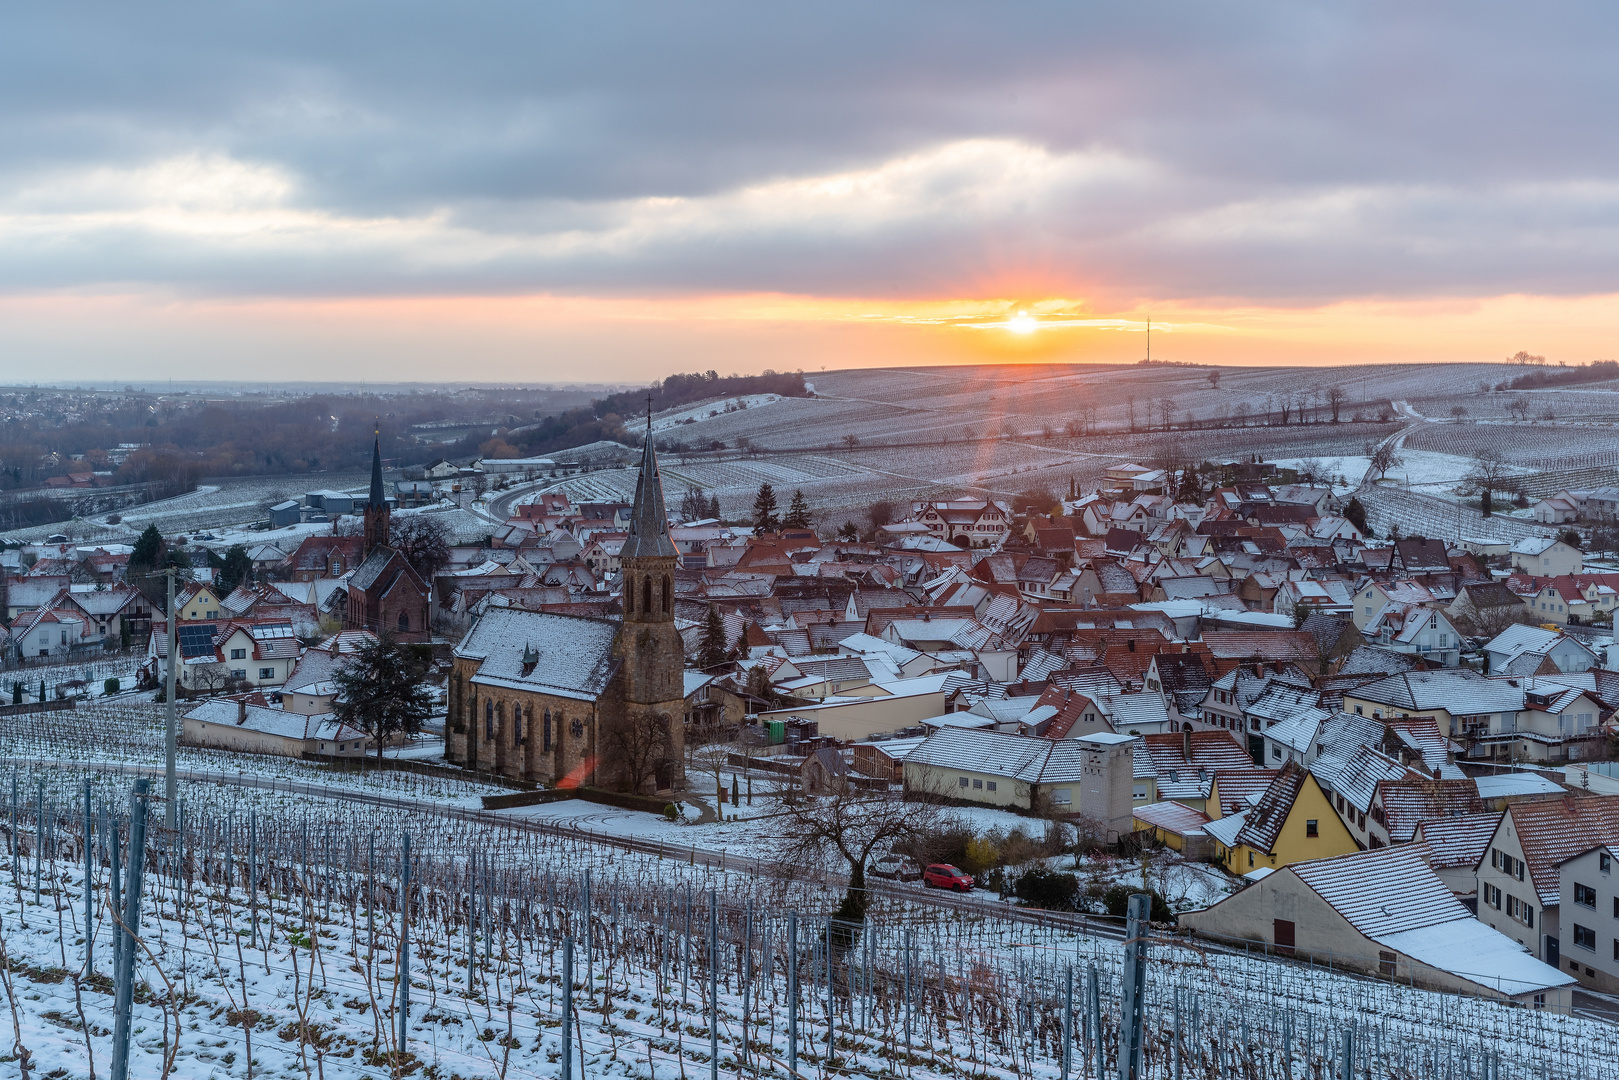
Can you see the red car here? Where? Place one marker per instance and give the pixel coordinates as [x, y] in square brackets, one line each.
[945, 876]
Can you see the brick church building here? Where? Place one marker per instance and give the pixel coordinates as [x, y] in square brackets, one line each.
[567, 700]
[385, 593]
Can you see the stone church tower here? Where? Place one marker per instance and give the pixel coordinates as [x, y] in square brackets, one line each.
[376, 507]
[649, 650]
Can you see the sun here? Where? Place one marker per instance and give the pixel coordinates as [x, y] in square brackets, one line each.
[1023, 323]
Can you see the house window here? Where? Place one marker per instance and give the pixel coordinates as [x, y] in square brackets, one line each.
[1585, 937]
[963, 781]
[1062, 796]
[1250, 858]
[266, 673]
[1312, 828]
[1584, 895]
[1540, 1001]
[1276, 752]
[238, 654]
[990, 786]
[238, 673]
[978, 783]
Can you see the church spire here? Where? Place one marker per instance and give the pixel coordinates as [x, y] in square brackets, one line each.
[376, 514]
[378, 499]
[649, 522]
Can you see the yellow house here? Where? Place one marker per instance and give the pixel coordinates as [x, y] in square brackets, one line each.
[198, 604]
[1292, 822]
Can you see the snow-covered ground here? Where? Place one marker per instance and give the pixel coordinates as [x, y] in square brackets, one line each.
[706, 410]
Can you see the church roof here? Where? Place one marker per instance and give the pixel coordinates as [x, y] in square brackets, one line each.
[572, 656]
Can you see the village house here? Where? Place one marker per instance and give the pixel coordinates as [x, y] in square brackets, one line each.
[1544, 556]
[1383, 913]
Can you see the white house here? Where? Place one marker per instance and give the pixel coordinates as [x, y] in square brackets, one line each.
[1522, 650]
[1546, 557]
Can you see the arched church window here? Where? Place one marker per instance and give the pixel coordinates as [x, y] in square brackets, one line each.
[668, 596]
[577, 727]
[404, 622]
[646, 596]
[548, 729]
[517, 724]
[489, 720]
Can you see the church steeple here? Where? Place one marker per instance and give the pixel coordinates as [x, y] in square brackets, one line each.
[649, 521]
[649, 557]
[376, 506]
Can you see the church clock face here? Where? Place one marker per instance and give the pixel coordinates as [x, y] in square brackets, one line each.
[577, 727]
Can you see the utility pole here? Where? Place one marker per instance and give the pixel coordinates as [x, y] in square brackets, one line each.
[170, 796]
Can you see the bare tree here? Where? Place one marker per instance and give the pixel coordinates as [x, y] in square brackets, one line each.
[1166, 410]
[1518, 406]
[849, 825]
[1214, 378]
[1336, 396]
[709, 759]
[1458, 411]
[1384, 456]
[642, 742]
[1488, 474]
[424, 541]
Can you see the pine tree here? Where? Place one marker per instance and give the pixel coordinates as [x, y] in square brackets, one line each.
[798, 513]
[16, 693]
[764, 510]
[380, 692]
[235, 569]
[714, 508]
[711, 649]
[42, 689]
[148, 548]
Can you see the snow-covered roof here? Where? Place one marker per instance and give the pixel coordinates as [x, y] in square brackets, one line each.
[573, 656]
[1477, 953]
[1172, 817]
[1510, 784]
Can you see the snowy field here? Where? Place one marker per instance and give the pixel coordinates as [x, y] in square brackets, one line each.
[272, 945]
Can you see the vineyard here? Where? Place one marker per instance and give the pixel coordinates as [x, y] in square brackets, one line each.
[292, 942]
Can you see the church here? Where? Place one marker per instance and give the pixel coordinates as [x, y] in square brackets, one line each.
[574, 701]
[385, 594]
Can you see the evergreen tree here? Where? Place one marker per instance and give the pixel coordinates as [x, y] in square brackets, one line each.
[235, 569]
[764, 510]
[16, 693]
[798, 512]
[42, 689]
[849, 531]
[1355, 514]
[148, 549]
[711, 649]
[714, 508]
[380, 692]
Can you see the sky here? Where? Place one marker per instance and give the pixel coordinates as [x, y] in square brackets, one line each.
[613, 191]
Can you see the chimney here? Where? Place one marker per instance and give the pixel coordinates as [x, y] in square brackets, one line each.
[1186, 744]
[241, 711]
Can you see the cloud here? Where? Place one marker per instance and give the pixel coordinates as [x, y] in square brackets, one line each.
[1263, 153]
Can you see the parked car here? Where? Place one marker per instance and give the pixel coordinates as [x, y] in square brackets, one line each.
[945, 876]
[896, 867]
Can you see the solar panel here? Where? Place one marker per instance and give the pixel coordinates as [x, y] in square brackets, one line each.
[196, 639]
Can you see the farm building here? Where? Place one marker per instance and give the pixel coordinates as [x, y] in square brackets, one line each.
[1384, 912]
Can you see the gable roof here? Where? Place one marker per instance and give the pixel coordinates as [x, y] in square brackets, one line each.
[575, 654]
[1552, 831]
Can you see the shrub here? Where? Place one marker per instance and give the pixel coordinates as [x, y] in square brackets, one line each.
[110, 687]
[671, 812]
[1046, 889]
[1117, 903]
